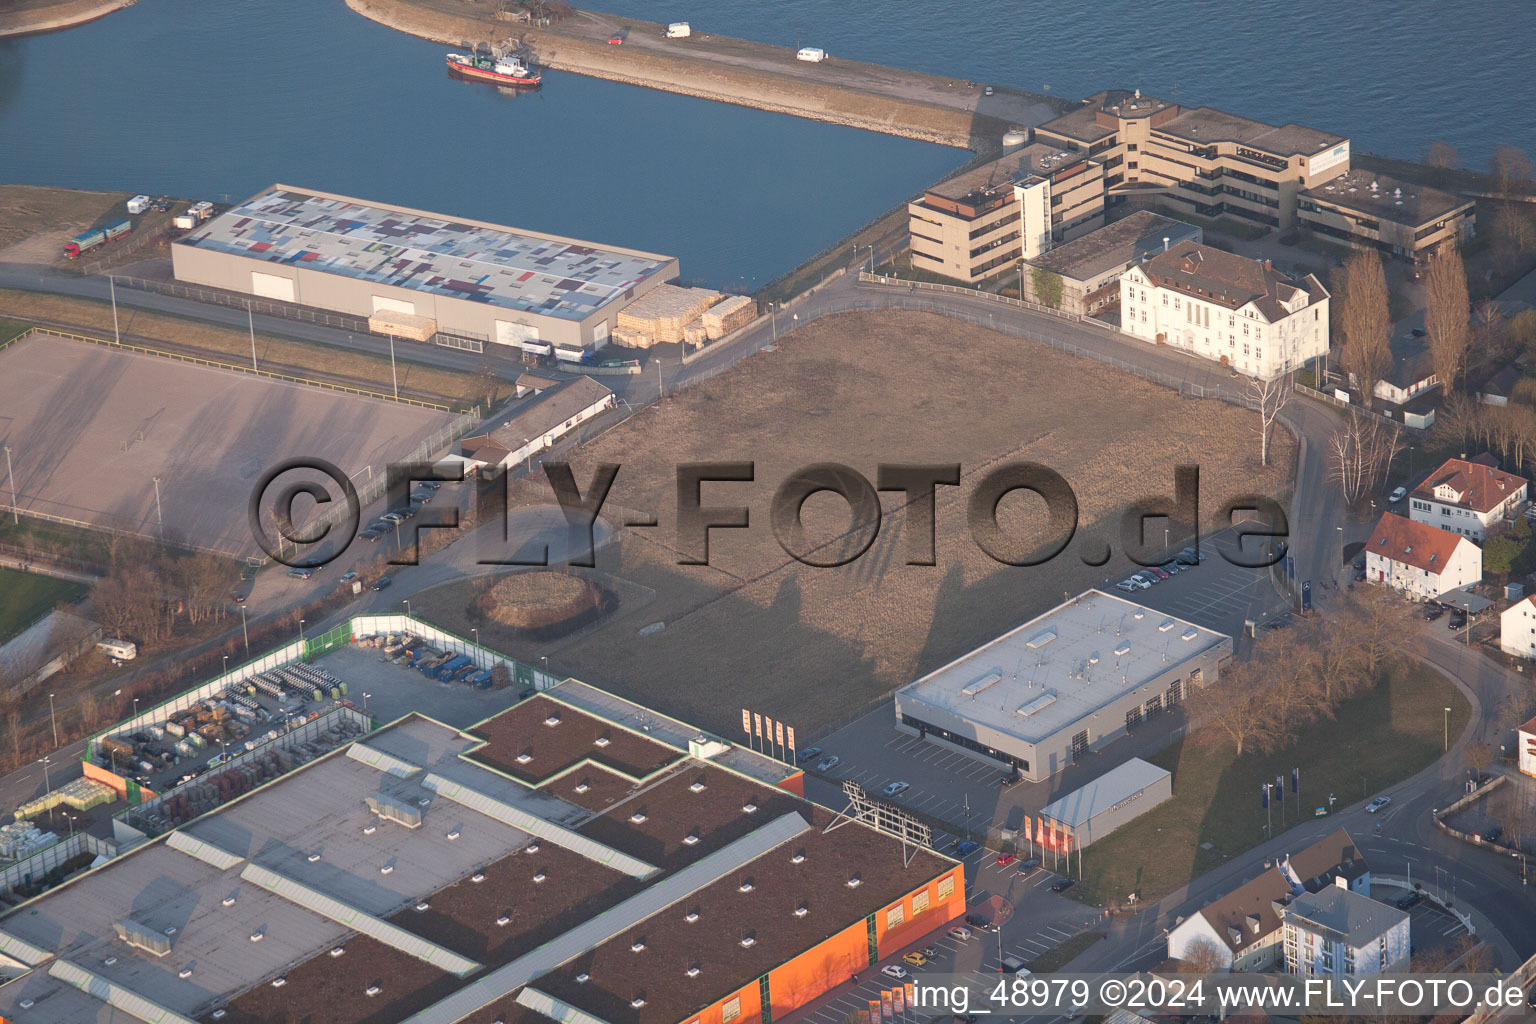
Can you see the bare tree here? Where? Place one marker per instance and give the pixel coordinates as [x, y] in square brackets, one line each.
[1490, 330]
[1447, 316]
[1479, 756]
[1235, 708]
[1360, 453]
[1443, 156]
[1514, 230]
[1366, 322]
[13, 723]
[1378, 620]
[1269, 398]
[1202, 957]
[1510, 167]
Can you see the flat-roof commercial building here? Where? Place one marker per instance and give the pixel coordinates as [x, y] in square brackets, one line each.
[1069, 681]
[1090, 266]
[1338, 932]
[1094, 810]
[469, 277]
[1203, 160]
[1239, 312]
[573, 857]
[980, 223]
[1400, 218]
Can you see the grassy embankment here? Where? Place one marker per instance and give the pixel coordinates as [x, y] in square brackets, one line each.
[25, 598]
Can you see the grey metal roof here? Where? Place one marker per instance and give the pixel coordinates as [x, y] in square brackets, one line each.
[205, 852]
[341, 913]
[396, 766]
[127, 1000]
[1082, 804]
[589, 934]
[534, 825]
[1355, 919]
[549, 1006]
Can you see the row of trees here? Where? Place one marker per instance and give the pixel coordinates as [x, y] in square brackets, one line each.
[1509, 167]
[148, 589]
[1300, 675]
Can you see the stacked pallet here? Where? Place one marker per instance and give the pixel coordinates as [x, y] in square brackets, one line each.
[695, 334]
[731, 315]
[664, 312]
[630, 338]
[402, 325]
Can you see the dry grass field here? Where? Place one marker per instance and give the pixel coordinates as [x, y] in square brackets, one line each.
[35, 222]
[813, 645]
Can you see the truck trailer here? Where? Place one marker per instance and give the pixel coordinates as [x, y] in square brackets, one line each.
[97, 236]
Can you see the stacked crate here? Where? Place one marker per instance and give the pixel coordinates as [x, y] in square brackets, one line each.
[662, 314]
[730, 315]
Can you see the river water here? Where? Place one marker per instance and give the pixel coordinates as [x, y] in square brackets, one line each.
[1391, 76]
[216, 98]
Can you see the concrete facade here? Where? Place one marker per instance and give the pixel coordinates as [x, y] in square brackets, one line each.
[1239, 312]
[1090, 266]
[1419, 561]
[1069, 681]
[1399, 218]
[1527, 748]
[1338, 932]
[1094, 810]
[509, 286]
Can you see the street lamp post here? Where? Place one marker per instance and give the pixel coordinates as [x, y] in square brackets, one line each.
[476, 630]
[226, 665]
[407, 603]
[245, 632]
[773, 315]
[12, 477]
[366, 695]
[47, 786]
[1447, 729]
[301, 630]
[53, 721]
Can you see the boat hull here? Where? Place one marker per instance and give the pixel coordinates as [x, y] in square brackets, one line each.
[481, 75]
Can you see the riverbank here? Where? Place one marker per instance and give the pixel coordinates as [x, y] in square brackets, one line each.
[892, 101]
[32, 16]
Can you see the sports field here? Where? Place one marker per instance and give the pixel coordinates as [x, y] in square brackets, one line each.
[92, 429]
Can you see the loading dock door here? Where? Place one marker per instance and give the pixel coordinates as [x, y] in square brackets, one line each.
[1079, 745]
[381, 304]
[270, 286]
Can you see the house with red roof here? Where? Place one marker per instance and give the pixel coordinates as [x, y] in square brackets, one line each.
[1466, 496]
[1419, 560]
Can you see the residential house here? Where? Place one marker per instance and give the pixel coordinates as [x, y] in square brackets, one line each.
[1499, 388]
[1420, 561]
[1526, 748]
[1517, 628]
[1090, 267]
[1243, 926]
[1334, 859]
[1466, 496]
[1240, 312]
[1336, 931]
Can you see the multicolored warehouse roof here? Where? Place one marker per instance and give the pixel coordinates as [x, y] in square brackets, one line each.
[461, 259]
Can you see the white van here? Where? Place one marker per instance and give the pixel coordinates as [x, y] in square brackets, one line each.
[122, 650]
[679, 30]
[814, 54]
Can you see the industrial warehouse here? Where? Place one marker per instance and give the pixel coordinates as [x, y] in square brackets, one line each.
[1062, 684]
[512, 287]
[573, 857]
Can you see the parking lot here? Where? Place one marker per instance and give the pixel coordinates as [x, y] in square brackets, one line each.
[1216, 594]
[1430, 927]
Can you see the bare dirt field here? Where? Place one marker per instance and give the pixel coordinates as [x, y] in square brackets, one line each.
[36, 222]
[813, 645]
[23, 17]
[90, 429]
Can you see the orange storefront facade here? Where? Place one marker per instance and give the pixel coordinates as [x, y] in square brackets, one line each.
[833, 961]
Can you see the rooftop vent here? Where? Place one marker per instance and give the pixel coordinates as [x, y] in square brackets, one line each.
[1040, 639]
[749, 807]
[1037, 705]
[453, 835]
[1093, 659]
[553, 719]
[798, 858]
[1189, 634]
[423, 905]
[531, 848]
[387, 869]
[185, 972]
[582, 787]
[228, 901]
[313, 857]
[697, 787]
[1122, 650]
[855, 881]
[802, 910]
[109, 961]
[691, 916]
[583, 978]
[370, 829]
[539, 878]
[503, 921]
[258, 935]
[524, 758]
[602, 741]
[637, 1002]
[1139, 613]
[1165, 625]
[279, 982]
[638, 817]
[638, 946]
[692, 972]
[748, 942]
[338, 950]
[372, 990]
[690, 840]
[477, 877]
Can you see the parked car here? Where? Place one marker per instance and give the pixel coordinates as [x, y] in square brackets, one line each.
[1010, 780]
[1161, 574]
[1418, 332]
[1140, 582]
[1457, 620]
[1378, 804]
[382, 582]
[1493, 834]
[422, 497]
[930, 951]
[1433, 611]
[371, 535]
[1027, 867]
[916, 959]
[615, 40]
[1127, 586]
[979, 923]
[1360, 562]
[1398, 495]
[960, 933]
[810, 753]
[987, 91]
[300, 573]
[237, 597]
[828, 763]
[1190, 557]
[1411, 898]
[403, 511]
[893, 971]
[391, 517]
[1172, 568]
[1004, 859]
[895, 788]
[966, 848]
[348, 577]
[1062, 884]
[430, 485]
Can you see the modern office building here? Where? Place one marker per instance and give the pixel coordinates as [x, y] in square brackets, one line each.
[509, 286]
[1338, 932]
[1239, 312]
[1041, 696]
[1467, 497]
[575, 857]
[1089, 267]
[1206, 161]
[1400, 218]
[1420, 561]
[980, 223]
